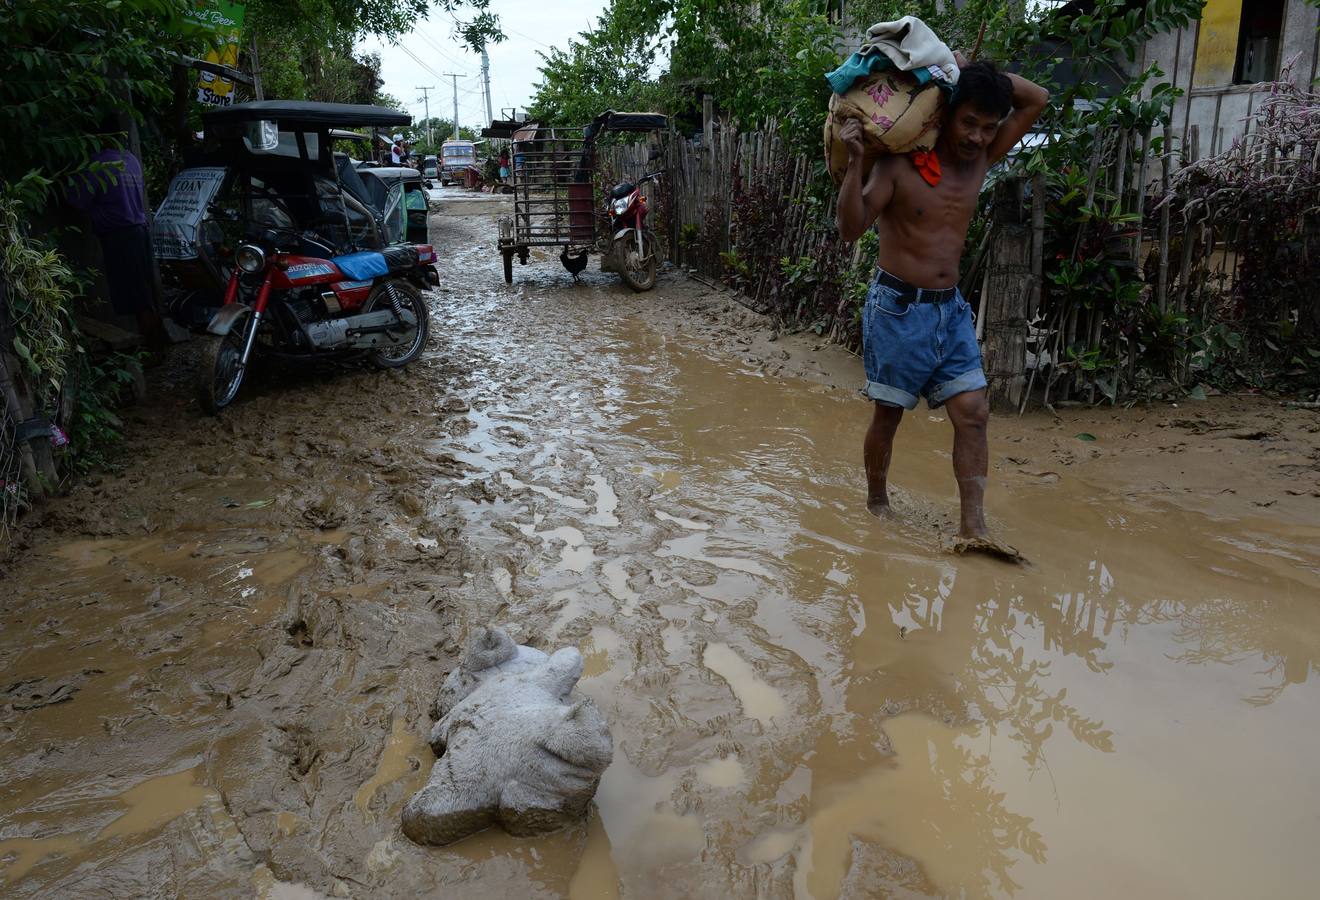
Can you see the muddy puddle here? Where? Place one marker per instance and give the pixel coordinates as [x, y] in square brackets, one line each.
[209, 694]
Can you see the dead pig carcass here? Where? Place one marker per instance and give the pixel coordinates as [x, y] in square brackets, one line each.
[514, 747]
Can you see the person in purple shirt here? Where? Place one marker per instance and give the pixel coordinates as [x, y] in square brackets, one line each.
[115, 199]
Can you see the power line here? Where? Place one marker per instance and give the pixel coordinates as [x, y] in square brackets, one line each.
[436, 47]
[532, 39]
[415, 58]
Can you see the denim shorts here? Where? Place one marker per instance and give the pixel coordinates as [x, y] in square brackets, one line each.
[918, 349]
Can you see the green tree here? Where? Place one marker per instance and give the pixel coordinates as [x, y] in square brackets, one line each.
[608, 66]
[306, 46]
[70, 66]
[761, 62]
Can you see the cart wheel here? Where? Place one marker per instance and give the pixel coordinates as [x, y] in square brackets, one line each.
[508, 266]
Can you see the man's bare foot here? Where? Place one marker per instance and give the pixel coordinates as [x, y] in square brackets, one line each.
[983, 543]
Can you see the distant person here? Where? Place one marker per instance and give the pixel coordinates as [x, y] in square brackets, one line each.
[115, 198]
[397, 153]
[504, 164]
[917, 331]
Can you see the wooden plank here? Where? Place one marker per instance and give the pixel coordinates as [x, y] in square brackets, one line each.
[1037, 242]
[1006, 297]
[707, 124]
[1162, 282]
[1141, 193]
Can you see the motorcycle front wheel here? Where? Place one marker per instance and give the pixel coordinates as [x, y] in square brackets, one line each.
[637, 269]
[219, 372]
[410, 300]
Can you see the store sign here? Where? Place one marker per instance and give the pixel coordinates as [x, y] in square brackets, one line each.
[224, 21]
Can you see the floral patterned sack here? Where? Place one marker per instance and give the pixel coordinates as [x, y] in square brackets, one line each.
[898, 115]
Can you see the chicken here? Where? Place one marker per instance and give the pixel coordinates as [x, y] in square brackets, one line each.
[574, 264]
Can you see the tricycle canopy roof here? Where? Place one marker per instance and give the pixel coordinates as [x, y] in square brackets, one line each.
[392, 175]
[628, 121]
[307, 113]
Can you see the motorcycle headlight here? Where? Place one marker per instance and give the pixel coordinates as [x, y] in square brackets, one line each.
[620, 206]
[250, 258]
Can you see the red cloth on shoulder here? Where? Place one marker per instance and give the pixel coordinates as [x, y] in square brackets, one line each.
[928, 165]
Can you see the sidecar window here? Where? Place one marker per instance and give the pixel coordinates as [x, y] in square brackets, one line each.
[288, 145]
[415, 198]
[266, 210]
[343, 219]
[396, 215]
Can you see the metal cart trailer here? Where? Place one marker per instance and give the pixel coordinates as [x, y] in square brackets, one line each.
[554, 203]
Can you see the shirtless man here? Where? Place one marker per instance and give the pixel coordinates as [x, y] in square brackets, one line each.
[917, 331]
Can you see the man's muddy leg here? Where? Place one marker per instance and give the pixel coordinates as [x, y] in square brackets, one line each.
[969, 412]
[878, 449]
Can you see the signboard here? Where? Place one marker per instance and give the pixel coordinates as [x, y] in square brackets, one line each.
[224, 21]
[1217, 43]
[174, 230]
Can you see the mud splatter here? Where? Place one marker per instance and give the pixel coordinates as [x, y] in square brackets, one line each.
[805, 702]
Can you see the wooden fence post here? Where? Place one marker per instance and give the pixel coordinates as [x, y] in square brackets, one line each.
[707, 125]
[1162, 282]
[1008, 294]
[1037, 242]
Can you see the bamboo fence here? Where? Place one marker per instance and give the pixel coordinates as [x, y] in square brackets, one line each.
[699, 211]
[1183, 256]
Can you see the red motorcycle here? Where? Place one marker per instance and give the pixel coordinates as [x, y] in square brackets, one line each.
[634, 251]
[289, 305]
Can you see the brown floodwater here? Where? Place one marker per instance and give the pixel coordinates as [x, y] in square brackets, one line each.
[211, 694]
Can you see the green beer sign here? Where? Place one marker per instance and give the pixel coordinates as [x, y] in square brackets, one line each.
[225, 21]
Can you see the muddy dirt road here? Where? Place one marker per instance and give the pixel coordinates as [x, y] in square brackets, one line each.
[218, 662]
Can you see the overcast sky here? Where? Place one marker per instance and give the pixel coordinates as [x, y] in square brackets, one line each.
[531, 25]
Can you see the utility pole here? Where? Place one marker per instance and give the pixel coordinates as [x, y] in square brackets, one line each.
[426, 98]
[485, 81]
[455, 78]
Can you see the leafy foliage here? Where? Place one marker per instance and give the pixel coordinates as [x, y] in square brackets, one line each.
[1258, 323]
[68, 67]
[42, 289]
[306, 46]
[315, 19]
[609, 66]
[762, 64]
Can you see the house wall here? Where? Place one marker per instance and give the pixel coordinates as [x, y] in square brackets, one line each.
[1199, 60]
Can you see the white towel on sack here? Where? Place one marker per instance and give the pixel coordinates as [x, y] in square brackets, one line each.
[910, 45]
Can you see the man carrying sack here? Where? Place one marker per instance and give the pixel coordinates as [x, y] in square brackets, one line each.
[917, 332]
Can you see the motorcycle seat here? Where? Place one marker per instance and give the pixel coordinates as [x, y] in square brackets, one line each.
[362, 266]
[400, 259]
[369, 264]
[622, 189]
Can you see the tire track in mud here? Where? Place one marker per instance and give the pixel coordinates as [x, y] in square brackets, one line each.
[221, 660]
[261, 601]
[598, 528]
[261, 607]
